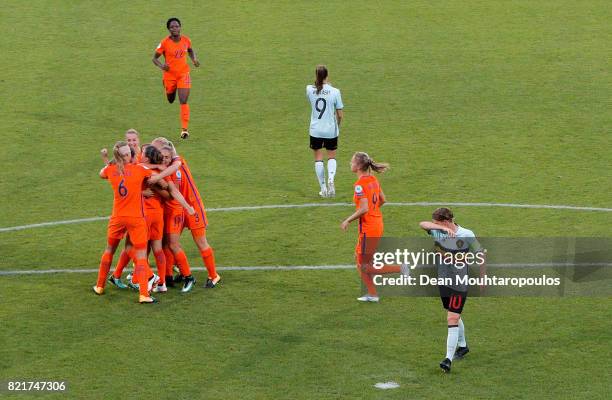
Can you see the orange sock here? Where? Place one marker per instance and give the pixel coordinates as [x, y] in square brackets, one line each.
[105, 263]
[160, 260]
[148, 271]
[124, 259]
[208, 256]
[169, 262]
[367, 281]
[183, 264]
[184, 116]
[142, 277]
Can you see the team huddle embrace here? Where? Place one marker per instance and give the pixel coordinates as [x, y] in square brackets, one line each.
[155, 199]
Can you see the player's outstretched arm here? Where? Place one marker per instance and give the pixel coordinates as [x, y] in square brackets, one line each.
[363, 209]
[179, 197]
[153, 166]
[172, 168]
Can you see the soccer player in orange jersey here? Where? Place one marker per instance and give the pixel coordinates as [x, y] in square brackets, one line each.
[174, 217]
[127, 181]
[197, 222]
[368, 197]
[132, 138]
[176, 76]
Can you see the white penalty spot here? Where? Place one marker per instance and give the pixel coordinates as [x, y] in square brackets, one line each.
[387, 385]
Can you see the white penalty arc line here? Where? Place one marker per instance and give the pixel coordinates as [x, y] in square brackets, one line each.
[300, 268]
[308, 205]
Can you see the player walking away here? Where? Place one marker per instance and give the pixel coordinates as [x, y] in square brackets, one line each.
[452, 238]
[127, 181]
[325, 120]
[368, 199]
[176, 70]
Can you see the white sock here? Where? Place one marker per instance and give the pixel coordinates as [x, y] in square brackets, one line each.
[461, 337]
[451, 341]
[331, 169]
[320, 171]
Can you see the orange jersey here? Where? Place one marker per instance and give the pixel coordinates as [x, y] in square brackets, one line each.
[153, 204]
[173, 204]
[175, 54]
[127, 189]
[189, 190]
[367, 187]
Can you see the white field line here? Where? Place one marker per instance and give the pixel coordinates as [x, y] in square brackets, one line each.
[308, 205]
[300, 268]
[253, 268]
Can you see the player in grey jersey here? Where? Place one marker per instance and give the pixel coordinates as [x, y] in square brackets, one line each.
[325, 118]
[453, 241]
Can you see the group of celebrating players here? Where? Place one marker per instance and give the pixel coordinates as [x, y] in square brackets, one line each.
[155, 198]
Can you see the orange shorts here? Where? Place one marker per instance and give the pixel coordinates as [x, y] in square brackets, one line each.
[197, 222]
[136, 227]
[173, 221]
[172, 82]
[155, 225]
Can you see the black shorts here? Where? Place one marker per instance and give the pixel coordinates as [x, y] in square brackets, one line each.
[452, 300]
[317, 143]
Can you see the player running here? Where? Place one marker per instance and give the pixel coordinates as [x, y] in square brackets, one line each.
[452, 238]
[176, 70]
[128, 216]
[325, 119]
[368, 199]
[196, 223]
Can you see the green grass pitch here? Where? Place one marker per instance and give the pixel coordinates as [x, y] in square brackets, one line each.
[479, 101]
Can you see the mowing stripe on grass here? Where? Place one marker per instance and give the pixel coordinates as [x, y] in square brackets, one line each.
[297, 268]
[308, 205]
